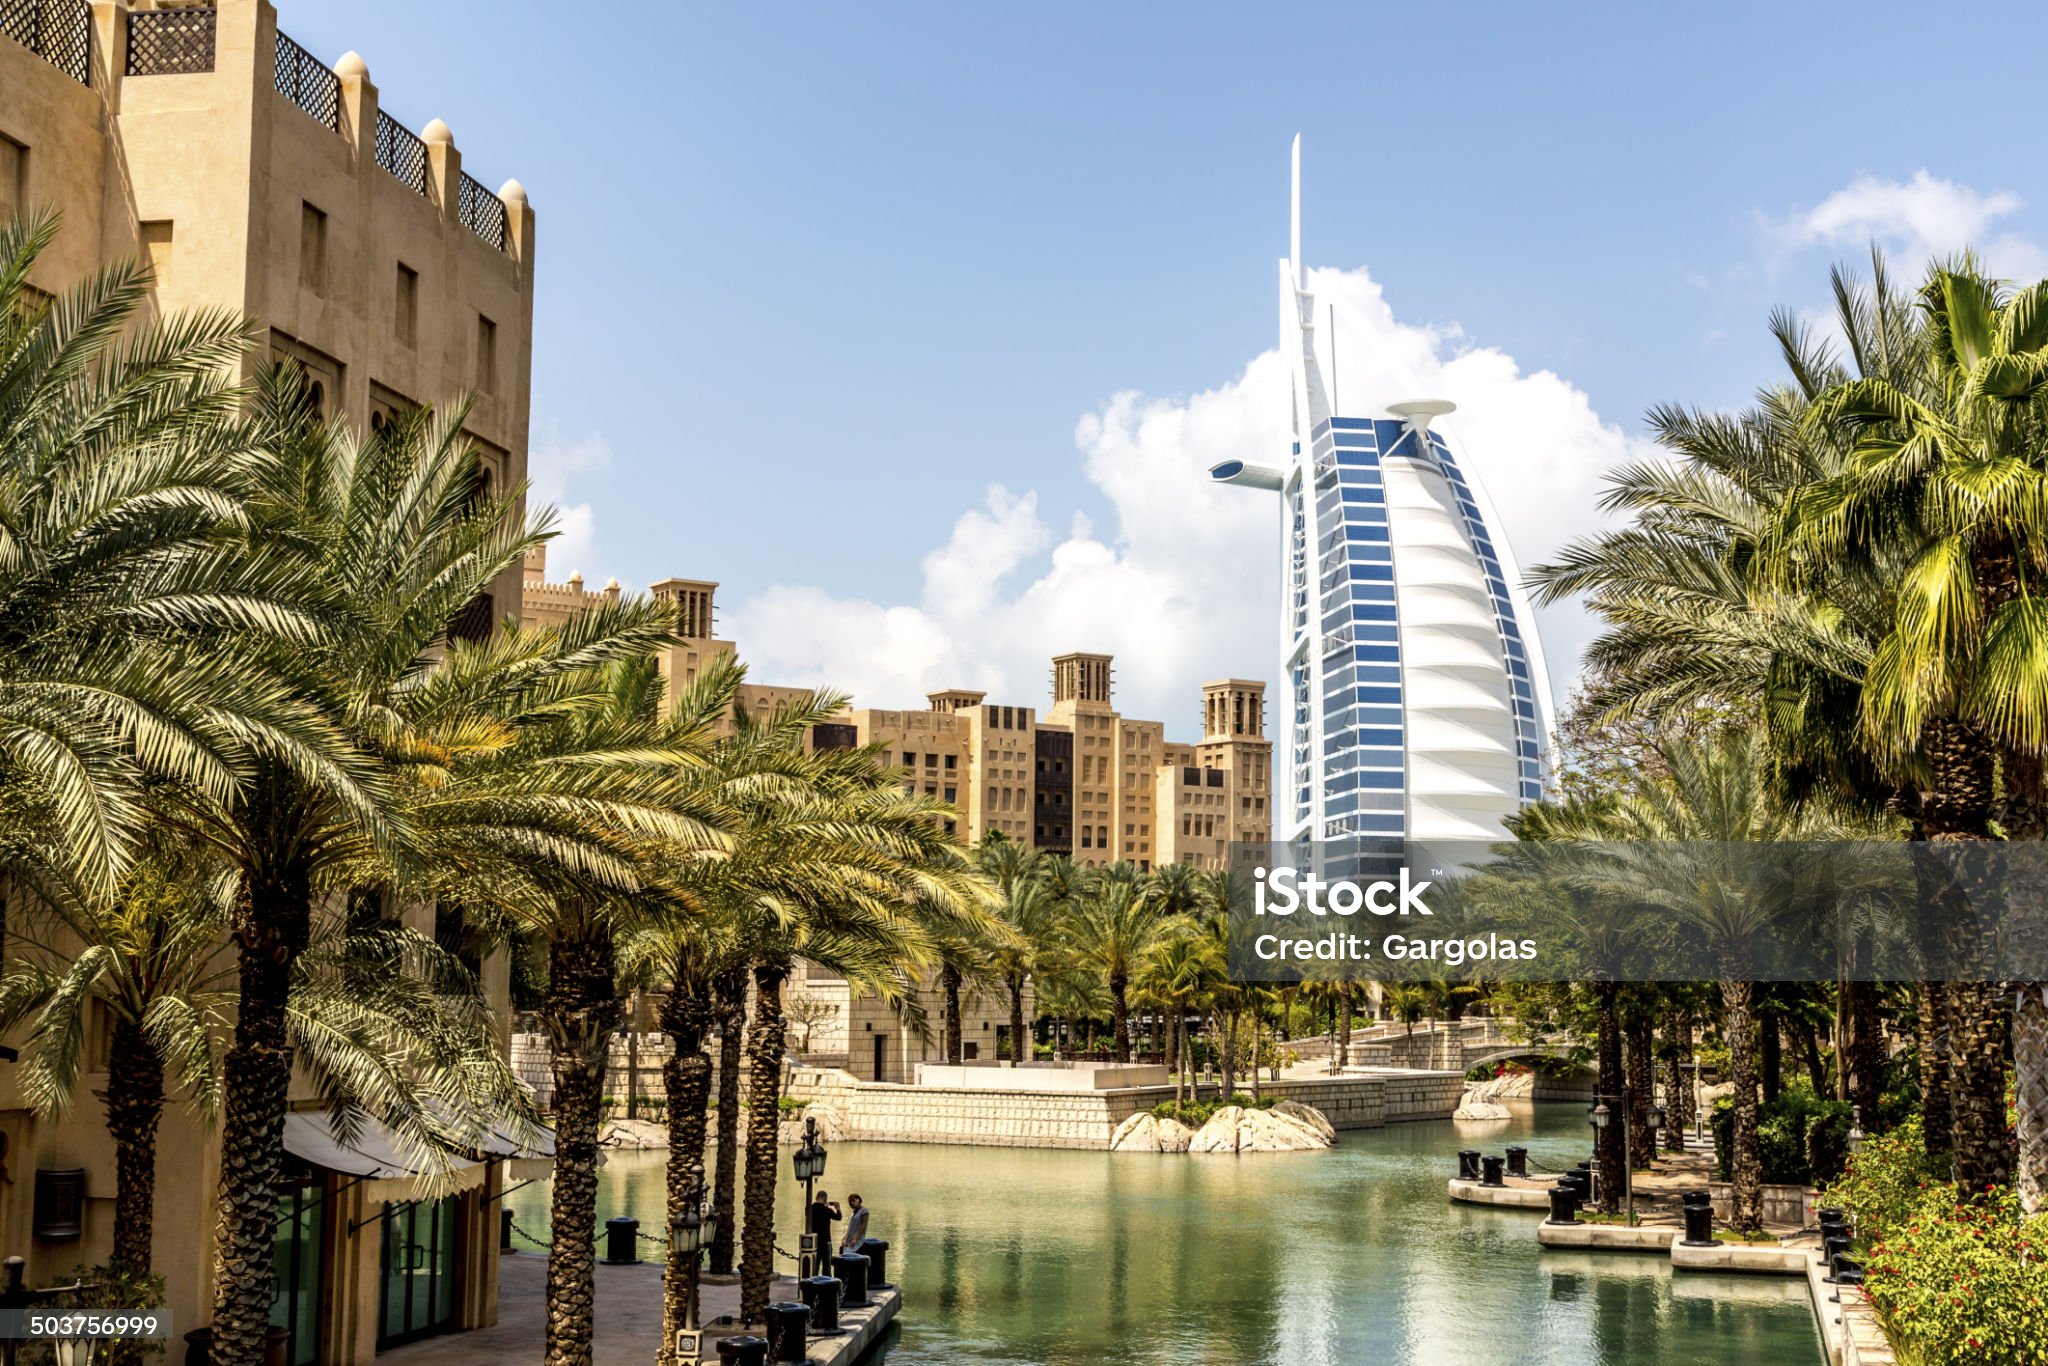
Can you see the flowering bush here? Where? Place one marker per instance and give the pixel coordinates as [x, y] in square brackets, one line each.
[1964, 1283]
[1955, 1282]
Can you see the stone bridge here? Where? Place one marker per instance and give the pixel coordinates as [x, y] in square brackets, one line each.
[1438, 1045]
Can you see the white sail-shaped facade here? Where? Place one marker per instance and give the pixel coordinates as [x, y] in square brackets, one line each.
[1413, 700]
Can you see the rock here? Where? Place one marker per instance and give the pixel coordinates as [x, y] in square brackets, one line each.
[635, 1134]
[1148, 1133]
[833, 1124]
[1234, 1129]
[1309, 1115]
[1481, 1109]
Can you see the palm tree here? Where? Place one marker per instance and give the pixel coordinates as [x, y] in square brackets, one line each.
[834, 863]
[382, 1021]
[123, 475]
[1180, 971]
[429, 787]
[1734, 584]
[1026, 910]
[1112, 925]
[1948, 477]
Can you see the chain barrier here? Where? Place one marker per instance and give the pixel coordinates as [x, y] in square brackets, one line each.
[539, 1242]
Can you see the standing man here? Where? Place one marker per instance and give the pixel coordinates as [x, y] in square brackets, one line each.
[856, 1225]
[822, 1214]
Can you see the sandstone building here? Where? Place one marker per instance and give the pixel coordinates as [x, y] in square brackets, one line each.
[254, 176]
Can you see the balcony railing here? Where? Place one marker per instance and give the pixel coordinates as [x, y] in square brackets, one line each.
[306, 81]
[401, 152]
[482, 212]
[58, 31]
[170, 42]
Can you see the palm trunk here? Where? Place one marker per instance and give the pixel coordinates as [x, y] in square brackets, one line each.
[1607, 1141]
[1020, 1042]
[1642, 1084]
[686, 1077]
[1344, 1054]
[2030, 1062]
[581, 1012]
[764, 1092]
[1809, 1053]
[1937, 1119]
[1678, 1088]
[1956, 810]
[1771, 1051]
[135, 1103]
[1176, 1035]
[1745, 1164]
[1226, 1054]
[1866, 1051]
[729, 1001]
[272, 923]
[949, 979]
[1120, 1015]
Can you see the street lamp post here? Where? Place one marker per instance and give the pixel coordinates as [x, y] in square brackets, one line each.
[1856, 1134]
[1602, 1117]
[1699, 1112]
[688, 1233]
[809, 1164]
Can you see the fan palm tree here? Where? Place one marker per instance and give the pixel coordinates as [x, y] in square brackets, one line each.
[1950, 476]
[1181, 971]
[1734, 585]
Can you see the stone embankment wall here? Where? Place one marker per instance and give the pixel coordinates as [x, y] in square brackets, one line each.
[885, 1112]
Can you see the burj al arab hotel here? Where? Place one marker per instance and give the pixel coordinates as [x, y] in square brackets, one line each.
[1414, 704]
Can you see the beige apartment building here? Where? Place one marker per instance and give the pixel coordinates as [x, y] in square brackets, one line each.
[1080, 779]
[255, 176]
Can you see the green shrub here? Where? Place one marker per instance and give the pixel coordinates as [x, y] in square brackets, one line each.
[1196, 1113]
[790, 1105]
[1801, 1138]
[1952, 1282]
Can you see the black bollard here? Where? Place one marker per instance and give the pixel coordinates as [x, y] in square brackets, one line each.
[1699, 1220]
[1833, 1214]
[852, 1270]
[1468, 1164]
[1492, 1166]
[787, 1320]
[1518, 1162]
[821, 1293]
[621, 1241]
[199, 1347]
[1564, 1204]
[743, 1350]
[877, 1253]
[504, 1230]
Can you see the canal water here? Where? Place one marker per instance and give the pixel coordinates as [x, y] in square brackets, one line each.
[1029, 1257]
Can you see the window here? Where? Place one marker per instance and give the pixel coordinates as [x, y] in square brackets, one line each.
[909, 759]
[486, 355]
[406, 317]
[952, 794]
[13, 173]
[156, 246]
[1087, 837]
[949, 761]
[312, 248]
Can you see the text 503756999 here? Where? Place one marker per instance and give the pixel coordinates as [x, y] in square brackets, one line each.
[84, 1323]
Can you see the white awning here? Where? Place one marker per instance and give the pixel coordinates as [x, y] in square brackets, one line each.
[389, 1172]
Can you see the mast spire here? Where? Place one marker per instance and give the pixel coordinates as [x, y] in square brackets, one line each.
[1294, 220]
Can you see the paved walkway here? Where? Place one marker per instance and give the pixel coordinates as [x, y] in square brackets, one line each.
[628, 1330]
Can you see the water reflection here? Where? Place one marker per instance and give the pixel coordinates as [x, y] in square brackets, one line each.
[1048, 1258]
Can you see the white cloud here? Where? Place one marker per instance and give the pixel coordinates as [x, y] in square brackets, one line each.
[1917, 220]
[1183, 587]
[550, 466]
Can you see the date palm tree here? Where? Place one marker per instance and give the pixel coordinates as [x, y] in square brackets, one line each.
[1111, 926]
[382, 1021]
[428, 789]
[1025, 908]
[124, 474]
[1950, 476]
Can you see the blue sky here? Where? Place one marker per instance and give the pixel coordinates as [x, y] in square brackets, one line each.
[813, 278]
